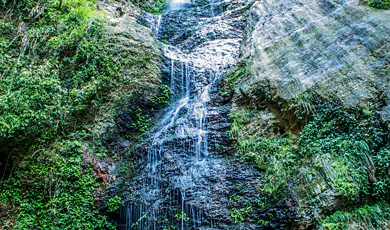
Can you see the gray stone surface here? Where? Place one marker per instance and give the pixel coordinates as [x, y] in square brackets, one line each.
[339, 47]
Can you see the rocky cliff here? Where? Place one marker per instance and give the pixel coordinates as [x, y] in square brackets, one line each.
[194, 114]
[310, 110]
[80, 80]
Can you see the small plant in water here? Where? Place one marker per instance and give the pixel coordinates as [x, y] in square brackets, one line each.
[182, 216]
[144, 215]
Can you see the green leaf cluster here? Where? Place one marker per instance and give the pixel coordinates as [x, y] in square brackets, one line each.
[339, 150]
[366, 217]
[62, 74]
[153, 7]
[53, 189]
[238, 215]
[113, 203]
[53, 68]
[379, 4]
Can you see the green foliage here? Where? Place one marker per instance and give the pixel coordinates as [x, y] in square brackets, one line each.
[275, 157]
[113, 203]
[53, 189]
[141, 115]
[244, 209]
[339, 150]
[232, 79]
[350, 140]
[62, 66]
[140, 122]
[182, 216]
[263, 222]
[353, 141]
[239, 120]
[153, 7]
[379, 4]
[163, 97]
[238, 215]
[144, 215]
[366, 217]
[59, 71]
[52, 71]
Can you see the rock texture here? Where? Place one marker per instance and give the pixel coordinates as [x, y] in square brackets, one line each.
[129, 40]
[186, 178]
[338, 49]
[297, 50]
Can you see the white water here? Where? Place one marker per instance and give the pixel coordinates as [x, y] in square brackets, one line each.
[178, 154]
[178, 4]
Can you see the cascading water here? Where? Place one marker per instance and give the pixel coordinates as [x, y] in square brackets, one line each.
[178, 4]
[176, 188]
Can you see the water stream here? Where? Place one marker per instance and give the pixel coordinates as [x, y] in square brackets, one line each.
[177, 187]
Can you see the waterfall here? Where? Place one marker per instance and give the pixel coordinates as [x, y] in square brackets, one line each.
[178, 4]
[188, 80]
[174, 189]
[172, 81]
[156, 27]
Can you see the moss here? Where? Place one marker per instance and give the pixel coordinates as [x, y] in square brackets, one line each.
[53, 189]
[338, 150]
[379, 4]
[63, 78]
[153, 7]
[113, 203]
[231, 80]
[367, 217]
[63, 65]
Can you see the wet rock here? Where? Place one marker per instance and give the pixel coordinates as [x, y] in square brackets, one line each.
[186, 171]
[340, 46]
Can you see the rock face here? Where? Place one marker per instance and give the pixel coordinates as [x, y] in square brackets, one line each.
[338, 49]
[127, 36]
[185, 180]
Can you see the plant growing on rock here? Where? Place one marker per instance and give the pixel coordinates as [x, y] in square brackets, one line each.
[182, 216]
[52, 189]
[379, 4]
[113, 203]
[338, 150]
[62, 77]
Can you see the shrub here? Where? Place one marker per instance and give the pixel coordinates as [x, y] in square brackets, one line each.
[339, 150]
[59, 71]
[113, 203]
[53, 189]
[379, 4]
[367, 217]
